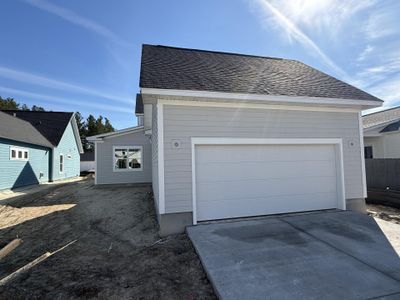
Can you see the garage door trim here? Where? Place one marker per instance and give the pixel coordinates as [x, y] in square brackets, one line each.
[337, 142]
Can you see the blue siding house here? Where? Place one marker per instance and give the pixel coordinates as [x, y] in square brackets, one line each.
[37, 147]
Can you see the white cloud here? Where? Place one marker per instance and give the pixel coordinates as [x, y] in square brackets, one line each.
[388, 90]
[381, 24]
[59, 85]
[365, 53]
[68, 102]
[323, 16]
[76, 19]
[295, 33]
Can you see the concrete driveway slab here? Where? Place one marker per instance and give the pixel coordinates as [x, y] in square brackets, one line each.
[325, 255]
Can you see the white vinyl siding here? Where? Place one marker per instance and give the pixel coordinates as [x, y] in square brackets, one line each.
[105, 161]
[183, 122]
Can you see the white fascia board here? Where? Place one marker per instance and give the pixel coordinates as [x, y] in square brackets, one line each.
[76, 133]
[99, 137]
[241, 97]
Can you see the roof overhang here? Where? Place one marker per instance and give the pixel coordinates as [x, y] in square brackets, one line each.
[100, 137]
[267, 99]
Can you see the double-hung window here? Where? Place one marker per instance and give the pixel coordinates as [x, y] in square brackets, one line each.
[127, 158]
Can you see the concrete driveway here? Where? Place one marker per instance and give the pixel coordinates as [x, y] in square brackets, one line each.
[324, 255]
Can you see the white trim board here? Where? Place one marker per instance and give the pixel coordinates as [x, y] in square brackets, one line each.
[262, 98]
[160, 140]
[95, 162]
[363, 173]
[337, 142]
[256, 106]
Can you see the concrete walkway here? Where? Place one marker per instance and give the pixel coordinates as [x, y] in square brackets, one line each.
[325, 255]
[31, 190]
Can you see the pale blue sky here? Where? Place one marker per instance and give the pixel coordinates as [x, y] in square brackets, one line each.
[84, 55]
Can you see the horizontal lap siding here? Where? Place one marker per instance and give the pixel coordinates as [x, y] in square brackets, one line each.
[67, 146]
[15, 173]
[184, 122]
[105, 162]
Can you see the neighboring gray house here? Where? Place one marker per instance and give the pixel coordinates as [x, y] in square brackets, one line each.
[229, 135]
[122, 156]
[87, 162]
[382, 134]
[37, 147]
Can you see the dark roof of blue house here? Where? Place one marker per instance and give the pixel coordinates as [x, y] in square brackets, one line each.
[50, 124]
[165, 67]
[13, 128]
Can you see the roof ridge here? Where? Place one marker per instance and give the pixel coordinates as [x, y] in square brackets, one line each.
[218, 52]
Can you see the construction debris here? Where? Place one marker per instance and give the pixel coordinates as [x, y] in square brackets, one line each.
[9, 247]
[31, 264]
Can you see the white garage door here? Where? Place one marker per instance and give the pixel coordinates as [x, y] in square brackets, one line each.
[250, 180]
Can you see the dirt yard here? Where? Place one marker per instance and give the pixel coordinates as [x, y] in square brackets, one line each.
[388, 219]
[118, 253]
[386, 213]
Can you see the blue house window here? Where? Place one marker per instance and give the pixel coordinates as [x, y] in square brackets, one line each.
[61, 163]
[17, 153]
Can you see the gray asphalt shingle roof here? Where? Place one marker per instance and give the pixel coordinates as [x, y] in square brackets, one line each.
[165, 67]
[13, 128]
[381, 117]
[50, 124]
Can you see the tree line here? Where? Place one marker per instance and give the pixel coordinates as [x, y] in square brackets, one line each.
[87, 127]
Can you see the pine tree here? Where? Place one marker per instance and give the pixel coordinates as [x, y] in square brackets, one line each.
[91, 126]
[107, 126]
[8, 104]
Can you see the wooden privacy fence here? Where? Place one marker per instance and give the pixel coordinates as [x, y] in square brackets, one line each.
[383, 173]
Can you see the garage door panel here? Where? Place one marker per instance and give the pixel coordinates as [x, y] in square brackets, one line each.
[249, 180]
[278, 204]
[263, 187]
[219, 153]
[262, 170]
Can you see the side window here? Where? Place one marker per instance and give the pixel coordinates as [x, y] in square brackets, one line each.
[368, 152]
[127, 158]
[61, 163]
[17, 153]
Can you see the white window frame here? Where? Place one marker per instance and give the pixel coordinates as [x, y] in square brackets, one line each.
[59, 163]
[140, 148]
[19, 149]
